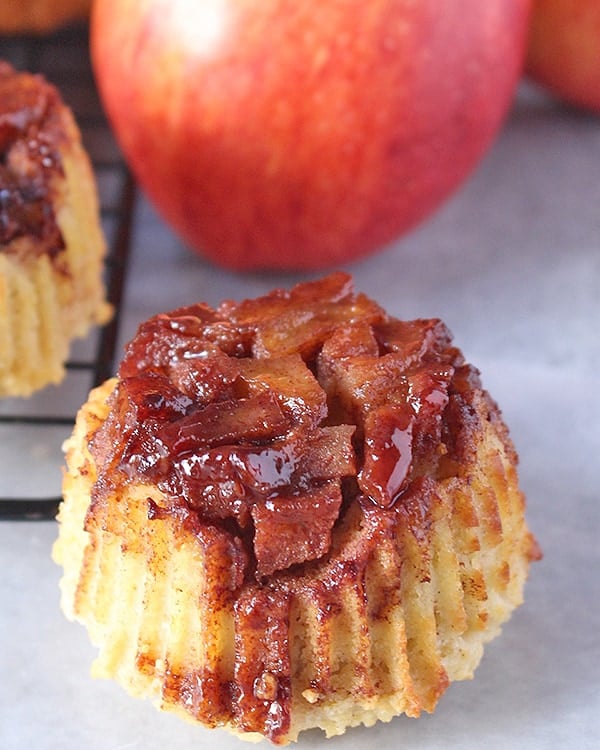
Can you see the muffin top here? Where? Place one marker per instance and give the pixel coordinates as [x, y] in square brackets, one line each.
[270, 418]
[31, 131]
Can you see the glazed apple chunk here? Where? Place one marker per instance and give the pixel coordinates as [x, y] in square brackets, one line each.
[271, 437]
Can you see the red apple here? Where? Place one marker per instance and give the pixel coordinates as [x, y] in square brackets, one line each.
[564, 50]
[299, 134]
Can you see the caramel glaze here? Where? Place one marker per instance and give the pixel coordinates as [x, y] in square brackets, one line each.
[31, 132]
[292, 435]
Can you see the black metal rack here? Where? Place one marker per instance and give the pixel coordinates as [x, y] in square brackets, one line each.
[63, 58]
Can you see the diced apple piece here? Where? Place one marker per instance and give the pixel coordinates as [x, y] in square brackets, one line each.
[329, 453]
[416, 339]
[388, 454]
[428, 398]
[399, 431]
[246, 420]
[164, 338]
[206, 374]
[210, 484]
[294, 384]
[296, 528]
[301, 319]
[362, 383]
[350, 341]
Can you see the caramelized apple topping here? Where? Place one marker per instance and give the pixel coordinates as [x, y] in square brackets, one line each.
[269, 418]
[30, 131]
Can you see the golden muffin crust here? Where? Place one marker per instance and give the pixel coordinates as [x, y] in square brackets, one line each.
[291, 512]
[51, 243]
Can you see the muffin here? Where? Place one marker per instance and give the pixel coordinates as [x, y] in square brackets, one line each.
[40, 16]
[291, 512]
[51, 242]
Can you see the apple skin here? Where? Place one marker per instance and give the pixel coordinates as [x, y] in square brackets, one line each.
[564, 50]
[302, 134]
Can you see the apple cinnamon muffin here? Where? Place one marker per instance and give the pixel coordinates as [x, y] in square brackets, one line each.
[51, 243]
[291, 512]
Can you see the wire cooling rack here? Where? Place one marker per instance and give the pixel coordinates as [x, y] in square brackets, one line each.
[32, 430]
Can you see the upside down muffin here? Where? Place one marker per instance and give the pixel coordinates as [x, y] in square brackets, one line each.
[291, 512]
[51, 242]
